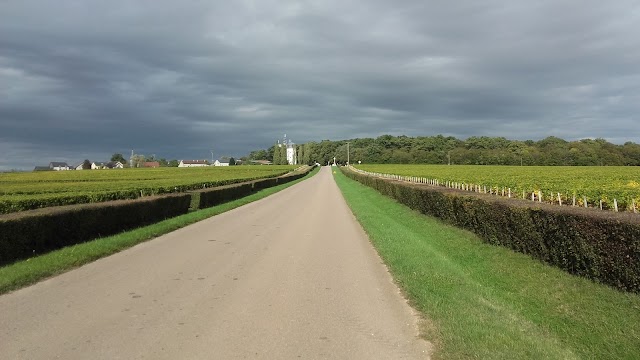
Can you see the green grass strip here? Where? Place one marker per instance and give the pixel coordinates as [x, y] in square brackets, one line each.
[30, 271]
[487, 302]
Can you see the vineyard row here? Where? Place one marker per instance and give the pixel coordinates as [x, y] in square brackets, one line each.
[556, 198]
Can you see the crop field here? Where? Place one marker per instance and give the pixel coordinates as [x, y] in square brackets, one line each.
[24, 191]
[597, 184]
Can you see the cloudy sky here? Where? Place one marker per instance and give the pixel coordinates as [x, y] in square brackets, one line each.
[86, 78]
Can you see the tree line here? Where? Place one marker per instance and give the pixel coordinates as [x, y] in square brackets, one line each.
[483, 150]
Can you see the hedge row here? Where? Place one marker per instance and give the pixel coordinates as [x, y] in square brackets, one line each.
[221, 194]
[38, 201]
[35, 232]
[604, 247]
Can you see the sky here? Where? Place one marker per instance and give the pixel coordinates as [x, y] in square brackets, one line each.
[182, 79]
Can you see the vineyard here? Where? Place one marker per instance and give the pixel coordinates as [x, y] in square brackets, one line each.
[25, 191]
[607, 187]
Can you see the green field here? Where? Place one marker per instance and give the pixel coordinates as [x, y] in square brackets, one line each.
[24, 191]
[596, 183]
[480, 301]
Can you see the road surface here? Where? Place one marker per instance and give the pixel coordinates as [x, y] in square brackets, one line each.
[287, 277]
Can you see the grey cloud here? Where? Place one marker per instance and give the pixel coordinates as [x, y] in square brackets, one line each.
[177, 80]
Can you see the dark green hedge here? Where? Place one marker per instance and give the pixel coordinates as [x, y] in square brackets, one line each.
[219, 195]
[264, 183]
[602, 246]
[267, 183]
[36, 232]
[222, 194]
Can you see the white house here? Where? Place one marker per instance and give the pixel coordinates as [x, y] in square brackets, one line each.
[107, 165]
[58, 166]
[114, 165]
[223, 161]
[192, 163]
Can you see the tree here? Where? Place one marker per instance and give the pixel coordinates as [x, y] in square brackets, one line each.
[232, 161]
[276, 155]
[137, 161]
[283, 155]
[86, 164]
[306, 157]
[174, 163]
[118, 157]
[259, 155]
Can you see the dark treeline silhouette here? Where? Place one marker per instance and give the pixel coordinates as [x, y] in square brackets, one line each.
[551, 151]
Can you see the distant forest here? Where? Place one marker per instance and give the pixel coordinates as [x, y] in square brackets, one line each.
[551, 151]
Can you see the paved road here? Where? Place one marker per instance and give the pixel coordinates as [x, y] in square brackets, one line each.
[291, 276]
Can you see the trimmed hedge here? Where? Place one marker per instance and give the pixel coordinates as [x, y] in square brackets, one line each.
[36, 232]
[264, 183]
[222, 194]
[602, 246]
[39, 231]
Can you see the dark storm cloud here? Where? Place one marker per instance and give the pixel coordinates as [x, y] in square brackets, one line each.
[179, 79]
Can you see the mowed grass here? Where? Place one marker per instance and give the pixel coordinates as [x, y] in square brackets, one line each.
[487, 302]
[32, 270]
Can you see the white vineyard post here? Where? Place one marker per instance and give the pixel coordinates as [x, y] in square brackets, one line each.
[600, 204]
[585, 201]
[615, 205]
[539, 195]
[509, 193]
[533, 196]
[559, 200]
[633, 205]
[574, 200]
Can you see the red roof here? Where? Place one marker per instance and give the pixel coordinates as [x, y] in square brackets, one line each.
[151, 164]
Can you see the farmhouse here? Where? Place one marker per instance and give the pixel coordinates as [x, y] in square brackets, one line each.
[55, 165]
[107, 165]
[193, 163]
[151, 164]
[114, 165]
[223, 161]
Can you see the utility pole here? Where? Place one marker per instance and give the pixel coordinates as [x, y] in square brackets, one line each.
[347, 153]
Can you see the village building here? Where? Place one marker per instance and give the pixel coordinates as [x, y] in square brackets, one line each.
[223, 161]
[291, 150]
[193, 163]
[58, 166]
[151, 164]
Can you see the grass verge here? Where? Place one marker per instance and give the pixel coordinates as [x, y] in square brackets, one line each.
[488, 302]
[29, 271]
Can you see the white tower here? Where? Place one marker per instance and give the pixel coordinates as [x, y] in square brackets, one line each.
[291, 151]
